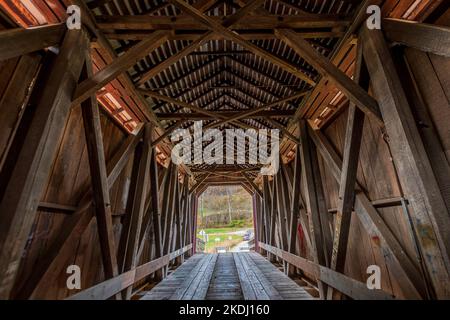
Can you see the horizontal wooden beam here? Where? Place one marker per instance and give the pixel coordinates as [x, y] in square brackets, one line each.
[193, 35]
[56, 207]
[17, 42]
[422, 36]
[108, 288]
[200, 116]
[228, 34]
[348, 286]
[248, 113]
[185, 22]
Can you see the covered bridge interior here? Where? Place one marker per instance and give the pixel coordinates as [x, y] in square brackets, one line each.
[87, 177]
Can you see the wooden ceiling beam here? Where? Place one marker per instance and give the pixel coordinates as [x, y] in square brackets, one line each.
[256, 86]
[118, 66]
[425, 37]
[352, 90]
[261, 73]
[198, 42]
[185, 22]
[137, 35]
[189, 106]
[190, 88]
[257, 109]
[213, 25]
[199, 116]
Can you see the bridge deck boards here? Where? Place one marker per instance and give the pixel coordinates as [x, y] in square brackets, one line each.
[227, 276]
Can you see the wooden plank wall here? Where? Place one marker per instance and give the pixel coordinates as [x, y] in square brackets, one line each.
[68, 180]
[377, 176]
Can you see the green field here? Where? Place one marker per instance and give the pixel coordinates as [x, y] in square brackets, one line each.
[225, 238]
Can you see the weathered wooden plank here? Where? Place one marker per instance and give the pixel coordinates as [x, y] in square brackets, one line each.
[372, 222]
[229, 21]
[71, 231]
[145, 22]
[422, 36]
[230, 35]
[14, 97]
[246, 286]
[431, 217]
[311, 200]
[137, 204]
[119, 65]
[353, 137]
[194, 278]
[108, 288]
[17, 42]
[351, 89]
[100, 187]
[341, 282]
[24, 187]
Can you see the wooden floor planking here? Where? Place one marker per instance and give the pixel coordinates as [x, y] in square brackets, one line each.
[225, 283]
[167, 287]
[227, 276]
[286, 287]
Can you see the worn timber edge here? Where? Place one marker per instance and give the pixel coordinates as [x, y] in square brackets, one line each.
[108, 288]
[348, 286]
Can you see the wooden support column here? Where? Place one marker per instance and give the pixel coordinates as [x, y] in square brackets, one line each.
[100, 188]
[178, 222]
[194, 223]
[353, 137]
[137, 204]
[155, 208]
[65, 243]
[311, 198]
[185, 210]
[408, 273]
[266, 209]
[273, 213]
[22, 190]
[282, 206]
[168, 209]
[295, 203]
[430, 216]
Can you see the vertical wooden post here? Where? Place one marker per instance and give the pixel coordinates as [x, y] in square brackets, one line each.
[256, 221]
[137, 204]
[353, 137]
[312, 202]
[23, 184]
[155, 208]
[194, 223]
[430, 215]
[295, 204]
[100, 188]
[266, 205]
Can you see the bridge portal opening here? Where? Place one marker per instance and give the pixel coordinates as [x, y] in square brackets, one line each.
[225, 220]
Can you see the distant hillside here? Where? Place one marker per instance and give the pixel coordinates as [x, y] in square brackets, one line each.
[225, 206]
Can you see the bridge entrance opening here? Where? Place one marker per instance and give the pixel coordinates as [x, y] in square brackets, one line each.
[225, 220]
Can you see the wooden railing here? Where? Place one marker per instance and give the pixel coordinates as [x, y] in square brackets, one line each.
[348, 286]
[110, 287]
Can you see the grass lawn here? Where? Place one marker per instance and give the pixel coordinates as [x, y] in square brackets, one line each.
[221, 237]
[221, 230]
